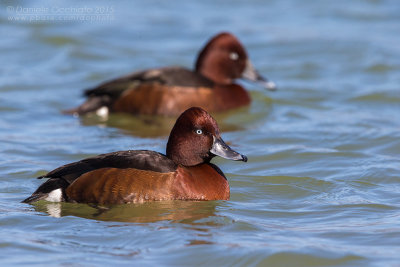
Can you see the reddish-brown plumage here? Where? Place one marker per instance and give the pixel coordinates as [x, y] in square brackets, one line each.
[171, 90]
[215, 62]
[184, 173]
[153, 99]
[201, 182]
[119, 186]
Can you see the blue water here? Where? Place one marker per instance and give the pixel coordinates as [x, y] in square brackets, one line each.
[322, 185]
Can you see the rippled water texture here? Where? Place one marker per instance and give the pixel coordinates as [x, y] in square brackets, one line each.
[322, 184]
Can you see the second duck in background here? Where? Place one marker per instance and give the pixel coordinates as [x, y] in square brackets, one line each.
[171, 90]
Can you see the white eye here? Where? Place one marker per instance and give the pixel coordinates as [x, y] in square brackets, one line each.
[233, 56]
[198, 131]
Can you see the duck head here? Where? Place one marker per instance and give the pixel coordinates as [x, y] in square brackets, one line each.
[224, 59]
[195, 139]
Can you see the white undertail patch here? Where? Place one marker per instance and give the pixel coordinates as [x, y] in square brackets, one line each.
[102, 112]
[54, 196]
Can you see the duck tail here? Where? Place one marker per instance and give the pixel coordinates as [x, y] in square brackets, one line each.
[92, 104]
[52, 190]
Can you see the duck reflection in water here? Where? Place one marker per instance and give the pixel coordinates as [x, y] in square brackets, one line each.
[190, 212]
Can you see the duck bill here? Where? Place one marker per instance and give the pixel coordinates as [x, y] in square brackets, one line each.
[220, 148]
[251, 74]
